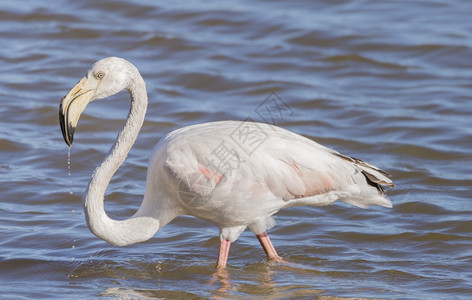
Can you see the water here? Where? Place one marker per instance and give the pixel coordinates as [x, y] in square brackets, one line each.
[386, 81]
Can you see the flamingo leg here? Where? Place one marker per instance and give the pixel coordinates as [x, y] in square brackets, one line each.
[223, 254]
[268, 247]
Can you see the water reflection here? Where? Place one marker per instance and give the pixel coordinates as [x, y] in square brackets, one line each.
[220, 277]
[259, 279]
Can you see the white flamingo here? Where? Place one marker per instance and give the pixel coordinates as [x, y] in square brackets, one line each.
[234, 174]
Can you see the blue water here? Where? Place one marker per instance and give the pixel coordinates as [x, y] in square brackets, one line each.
[389, 82]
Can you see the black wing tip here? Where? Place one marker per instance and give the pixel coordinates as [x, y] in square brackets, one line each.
[378, 184]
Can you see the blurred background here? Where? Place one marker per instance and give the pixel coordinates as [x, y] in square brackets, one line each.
[386, 81]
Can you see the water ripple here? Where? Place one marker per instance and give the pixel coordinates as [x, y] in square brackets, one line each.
[368, 78]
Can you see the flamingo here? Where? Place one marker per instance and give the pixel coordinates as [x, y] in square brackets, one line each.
[234, 174]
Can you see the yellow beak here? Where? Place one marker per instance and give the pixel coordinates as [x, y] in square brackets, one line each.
[73, 104]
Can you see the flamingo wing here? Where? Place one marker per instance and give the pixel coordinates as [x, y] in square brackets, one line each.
[272, 163]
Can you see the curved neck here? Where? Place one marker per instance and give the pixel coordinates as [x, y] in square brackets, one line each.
[137, 228]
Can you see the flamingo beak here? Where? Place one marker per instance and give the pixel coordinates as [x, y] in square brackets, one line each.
[73, 104]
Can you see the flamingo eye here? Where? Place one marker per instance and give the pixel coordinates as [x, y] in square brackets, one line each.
[100, 75]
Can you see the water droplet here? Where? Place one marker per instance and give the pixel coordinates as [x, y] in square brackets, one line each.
[68, 161]
[69, 170]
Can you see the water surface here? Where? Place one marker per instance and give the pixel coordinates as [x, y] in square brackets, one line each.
[389, 82]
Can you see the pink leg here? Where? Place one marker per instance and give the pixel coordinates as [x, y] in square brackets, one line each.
[268, 247]
[223, 255]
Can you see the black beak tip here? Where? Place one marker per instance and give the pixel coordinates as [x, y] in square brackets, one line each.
[69, 138]
[67, 130]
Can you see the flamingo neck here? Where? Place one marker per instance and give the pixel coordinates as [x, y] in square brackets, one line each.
[137, 228]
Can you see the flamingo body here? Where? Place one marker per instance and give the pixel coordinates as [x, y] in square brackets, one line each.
[247, 188]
